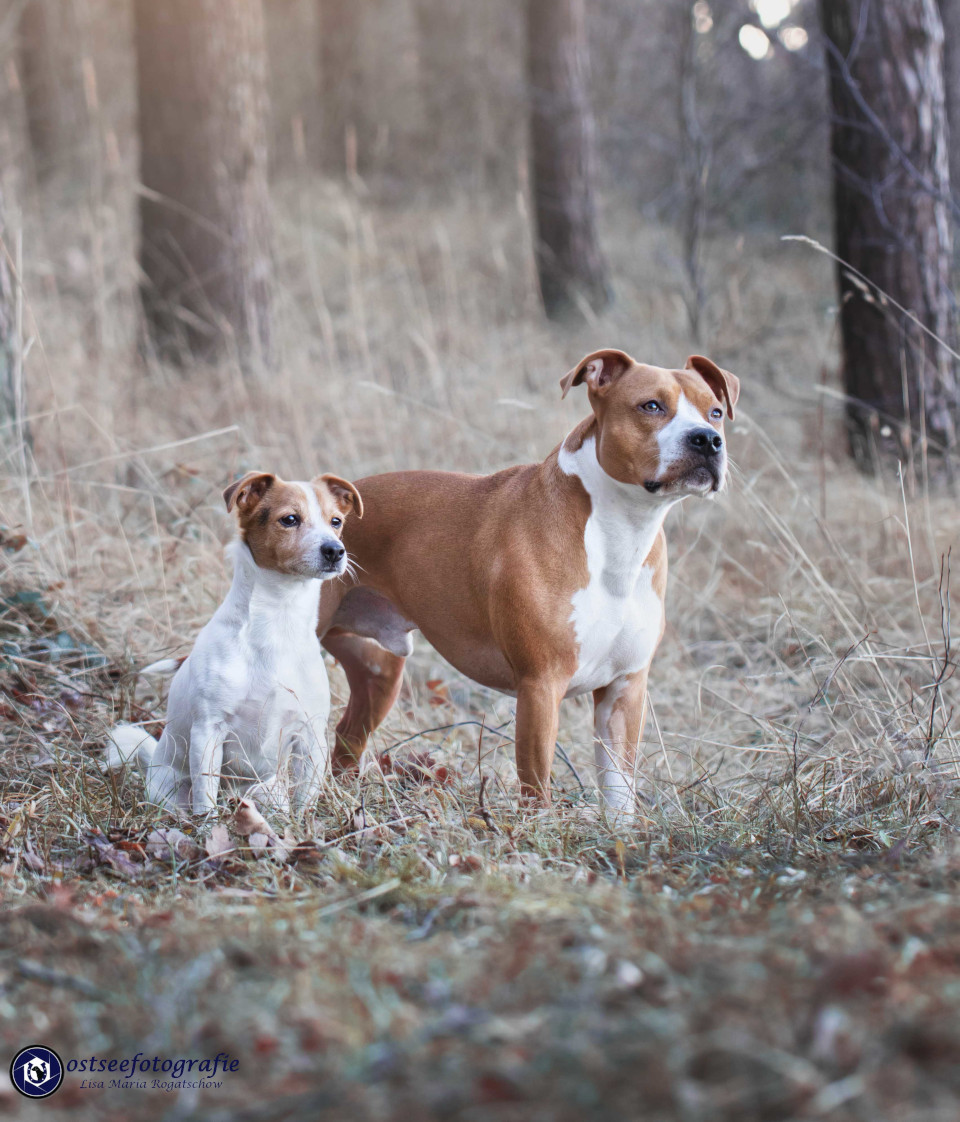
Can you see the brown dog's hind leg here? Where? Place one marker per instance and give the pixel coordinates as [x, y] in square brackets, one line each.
[374, 676]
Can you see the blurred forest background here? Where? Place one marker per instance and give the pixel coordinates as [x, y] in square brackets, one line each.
[365, 235]
[183, 149]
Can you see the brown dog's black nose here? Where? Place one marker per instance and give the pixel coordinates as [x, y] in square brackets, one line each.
[331, 553]
[705, 441]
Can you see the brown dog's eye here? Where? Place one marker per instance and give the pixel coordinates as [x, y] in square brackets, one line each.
[716, 414]
[290, 520]
[336, 523]
[652, 407]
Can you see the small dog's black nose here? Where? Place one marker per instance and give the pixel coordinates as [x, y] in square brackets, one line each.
[331, 553]
[705, 441]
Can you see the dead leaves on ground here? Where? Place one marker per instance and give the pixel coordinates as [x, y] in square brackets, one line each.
[239, 843]
[230, 848]
[415, 769]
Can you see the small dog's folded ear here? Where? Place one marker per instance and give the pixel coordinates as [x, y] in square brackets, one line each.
[246, 492]
[726, 386]
[598, 370]
[344, 493]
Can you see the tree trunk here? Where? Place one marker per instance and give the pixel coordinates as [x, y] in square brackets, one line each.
[205, 210]
[39, 73]
[891, 192]
[950, 14]
[8, 340]
[452, 143]
[343, 139]
[569, 261]
[693, 163]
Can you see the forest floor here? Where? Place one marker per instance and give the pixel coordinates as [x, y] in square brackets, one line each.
[776, 937]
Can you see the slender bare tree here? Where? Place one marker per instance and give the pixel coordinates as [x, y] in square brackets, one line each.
[452, 142]
[8, 340]
[41, 78]
[340, 25]
[950, 14]
[891, 199]
[693, 161]
[569, 260]
[205, 210]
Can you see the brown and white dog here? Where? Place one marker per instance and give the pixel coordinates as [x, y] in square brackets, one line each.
[543, 581]
[250, 702]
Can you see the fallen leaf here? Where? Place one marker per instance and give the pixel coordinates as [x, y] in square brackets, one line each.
[107, 855]
[418, 769]
[71, 699]
[360, 821]
[33, 861]
[621, 852]
[218, 842]
[259, 843]
[11, 542]
[283, 848]
[857, 972]
[171, 842]
[306, 852]
[248, 820]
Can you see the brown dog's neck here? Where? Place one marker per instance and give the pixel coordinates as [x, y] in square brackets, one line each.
[574, 439]
[549, 470]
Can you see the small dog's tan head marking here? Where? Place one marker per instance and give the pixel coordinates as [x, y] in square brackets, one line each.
[344, 497]
[247, 491]
[293, 528]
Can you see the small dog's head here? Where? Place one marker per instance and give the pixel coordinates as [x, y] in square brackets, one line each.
[294, 528]
[661, 429]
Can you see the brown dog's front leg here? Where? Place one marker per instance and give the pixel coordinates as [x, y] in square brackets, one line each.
[619, 714]
[538, 703]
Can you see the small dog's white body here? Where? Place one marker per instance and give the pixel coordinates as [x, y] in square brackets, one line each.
[250, 703]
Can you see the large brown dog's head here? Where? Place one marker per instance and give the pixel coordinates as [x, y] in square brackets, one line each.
[294, 528]
[659, 428]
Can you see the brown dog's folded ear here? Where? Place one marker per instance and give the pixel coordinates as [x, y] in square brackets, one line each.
[726, 386]
[598, 370]
[344, 492]
[246, 492]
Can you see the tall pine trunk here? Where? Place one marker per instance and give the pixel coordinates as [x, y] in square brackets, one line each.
[343, 136]
[891, 192]
[569, 261]
[206, 230]
[950, 14]
[41, 64]
[8, 339]
[453, 141]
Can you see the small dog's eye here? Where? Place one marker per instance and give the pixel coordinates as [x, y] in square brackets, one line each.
[652, 407]
[716, 414]
[290, 520]
[336, 523]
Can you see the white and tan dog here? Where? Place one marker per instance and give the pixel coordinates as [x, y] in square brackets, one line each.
[544, 581]
[252, 699]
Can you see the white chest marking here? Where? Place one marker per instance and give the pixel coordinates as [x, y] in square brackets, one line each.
[618, 615]
[257, 665]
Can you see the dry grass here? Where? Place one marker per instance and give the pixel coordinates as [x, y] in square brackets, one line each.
[775, 937]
